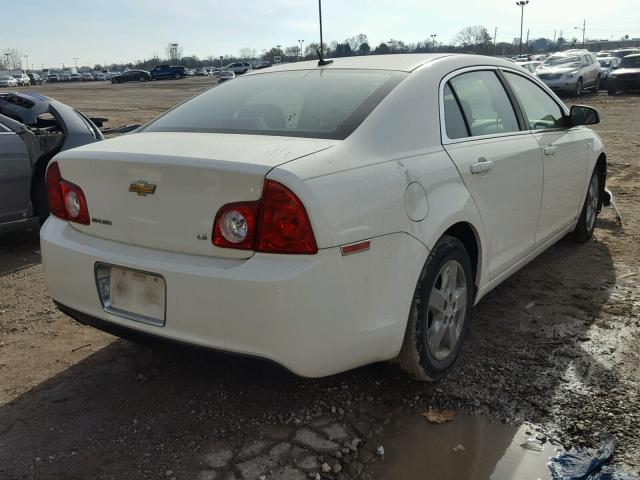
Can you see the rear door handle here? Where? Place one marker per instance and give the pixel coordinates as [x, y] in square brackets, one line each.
[481, 167]
[550, 150]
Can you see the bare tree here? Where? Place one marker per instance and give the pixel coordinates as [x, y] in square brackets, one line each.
[247, 53]
[473, 36]
[11, 59]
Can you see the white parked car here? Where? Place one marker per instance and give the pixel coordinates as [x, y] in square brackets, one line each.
[571, 71]
[8, 81]
[22, 79]
[324, 217]
[224, 75]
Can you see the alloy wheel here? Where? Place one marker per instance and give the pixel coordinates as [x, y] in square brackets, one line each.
[447, 310]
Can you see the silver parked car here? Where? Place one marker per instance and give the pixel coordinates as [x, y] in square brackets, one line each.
[571, 72]
[34, 128]
[239, 67]
[607, 65]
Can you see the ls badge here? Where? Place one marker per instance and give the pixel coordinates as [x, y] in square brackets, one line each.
[142, 188]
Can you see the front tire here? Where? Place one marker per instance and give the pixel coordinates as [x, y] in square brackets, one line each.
[577, 91]
[592, 204]
[440, 312]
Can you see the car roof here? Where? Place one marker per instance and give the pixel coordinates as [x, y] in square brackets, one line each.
[634, 55]
[405, 62]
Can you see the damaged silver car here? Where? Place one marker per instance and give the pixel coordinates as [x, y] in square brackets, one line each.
[34, 128]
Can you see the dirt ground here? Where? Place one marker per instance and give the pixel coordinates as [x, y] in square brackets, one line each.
[555, 346]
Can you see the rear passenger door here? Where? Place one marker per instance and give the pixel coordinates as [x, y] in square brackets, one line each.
[564, 151]
[500, 164]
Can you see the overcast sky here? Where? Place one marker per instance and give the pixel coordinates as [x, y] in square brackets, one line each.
[106, 31]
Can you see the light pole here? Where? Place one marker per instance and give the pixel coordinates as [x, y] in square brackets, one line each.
[300, 55]
[521, 4]
[75, 61]
[433, 40]
[26, 58]
[583, 28]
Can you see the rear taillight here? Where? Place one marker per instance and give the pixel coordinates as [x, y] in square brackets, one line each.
[66, 200]
[56, 200]
[278, 223]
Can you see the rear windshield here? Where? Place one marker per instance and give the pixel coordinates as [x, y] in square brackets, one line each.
[308, 103]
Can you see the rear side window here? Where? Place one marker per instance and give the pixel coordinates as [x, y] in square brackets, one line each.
[454, 121]
[539, 109]
[485, 104]
[306, 103]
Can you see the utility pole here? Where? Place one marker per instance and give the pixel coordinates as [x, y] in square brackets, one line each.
[320, 16]
[495, 37]
[527, 43]
[584, 28]
[521, 4]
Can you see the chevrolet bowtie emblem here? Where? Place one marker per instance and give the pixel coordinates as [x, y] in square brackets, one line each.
[142, 188]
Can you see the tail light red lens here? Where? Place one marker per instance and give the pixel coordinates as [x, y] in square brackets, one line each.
[54, 192]
[284, 224]
[278, 223]
[66, 200]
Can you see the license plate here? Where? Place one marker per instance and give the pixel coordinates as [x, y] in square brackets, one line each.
[132, 294]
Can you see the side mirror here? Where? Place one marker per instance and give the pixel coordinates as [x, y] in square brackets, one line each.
[583, 115]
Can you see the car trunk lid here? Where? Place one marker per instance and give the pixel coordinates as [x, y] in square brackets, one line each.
[162, 190]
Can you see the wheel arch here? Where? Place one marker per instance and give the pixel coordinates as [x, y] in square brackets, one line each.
[468, 235]
[601, 166]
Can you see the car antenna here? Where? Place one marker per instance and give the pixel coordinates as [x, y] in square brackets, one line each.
[321, 61]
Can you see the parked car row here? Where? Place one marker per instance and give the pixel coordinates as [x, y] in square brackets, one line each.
[20, 80]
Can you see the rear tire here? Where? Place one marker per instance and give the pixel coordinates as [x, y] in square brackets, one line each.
[590, 209]
[440, 312]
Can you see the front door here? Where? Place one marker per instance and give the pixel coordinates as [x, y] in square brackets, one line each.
[564, 152]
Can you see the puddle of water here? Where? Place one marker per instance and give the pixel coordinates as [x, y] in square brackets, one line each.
[420, 450]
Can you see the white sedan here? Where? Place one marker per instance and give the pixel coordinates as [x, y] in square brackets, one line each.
[324, 216]
[8, 81]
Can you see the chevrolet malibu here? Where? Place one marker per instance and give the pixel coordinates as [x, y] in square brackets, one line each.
[324, 215]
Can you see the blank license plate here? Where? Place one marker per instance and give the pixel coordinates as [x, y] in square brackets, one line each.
[132, 294]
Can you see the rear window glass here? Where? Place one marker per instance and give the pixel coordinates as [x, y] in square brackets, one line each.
[309, 103]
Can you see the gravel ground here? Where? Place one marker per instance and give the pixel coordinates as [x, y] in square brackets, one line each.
[555, 345]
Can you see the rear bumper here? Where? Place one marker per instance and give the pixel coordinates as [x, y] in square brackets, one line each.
[315, 315]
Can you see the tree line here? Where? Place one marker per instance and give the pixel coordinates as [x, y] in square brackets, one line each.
[474, 39]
